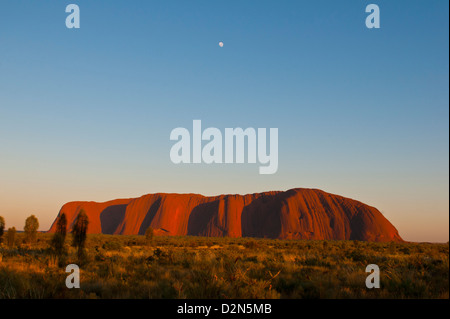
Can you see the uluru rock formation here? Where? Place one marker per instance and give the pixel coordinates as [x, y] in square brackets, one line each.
[293, 214]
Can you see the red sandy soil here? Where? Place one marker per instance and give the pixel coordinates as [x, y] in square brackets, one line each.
[294, 214]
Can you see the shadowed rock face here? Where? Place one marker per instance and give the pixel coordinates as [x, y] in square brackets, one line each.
[294, 214]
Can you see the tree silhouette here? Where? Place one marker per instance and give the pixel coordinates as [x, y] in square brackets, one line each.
[79, 233]
[11, 237]
[59, 237]
[149, 233]
[31, 227]
[2, 228]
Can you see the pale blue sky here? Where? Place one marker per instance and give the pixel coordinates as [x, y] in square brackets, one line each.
[86, 114]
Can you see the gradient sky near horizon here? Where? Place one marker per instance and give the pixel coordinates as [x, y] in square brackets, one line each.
[86, 114]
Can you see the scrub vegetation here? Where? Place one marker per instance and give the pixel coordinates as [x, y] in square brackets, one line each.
[113, 266]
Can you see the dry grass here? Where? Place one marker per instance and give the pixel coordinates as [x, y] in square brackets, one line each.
[197, 267]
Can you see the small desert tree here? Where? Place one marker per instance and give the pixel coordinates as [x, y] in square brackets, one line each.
[31, 227]
[11, 238]
[2, 228]
[149, 233]
[79, 233]
[59, 238]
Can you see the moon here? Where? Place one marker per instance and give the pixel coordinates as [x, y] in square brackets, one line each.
[221, 44]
